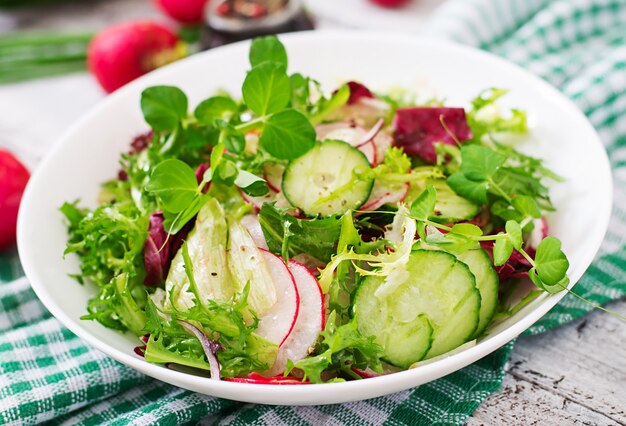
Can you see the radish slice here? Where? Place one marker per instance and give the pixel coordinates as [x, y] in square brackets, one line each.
[353, 134]
[253, 226]
[310, 321]
[539, 232]
[270, 197]
[385, 194]
[257, 202]
[373, 132]
[274, 176]
[369, 149]
[278, 321]
[257, 379]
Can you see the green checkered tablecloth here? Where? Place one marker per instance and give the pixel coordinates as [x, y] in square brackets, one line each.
[47, 373]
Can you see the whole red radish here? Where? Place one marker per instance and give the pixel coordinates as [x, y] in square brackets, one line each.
[124, 52]
[390, 3]
[13, 179]
[183, 11]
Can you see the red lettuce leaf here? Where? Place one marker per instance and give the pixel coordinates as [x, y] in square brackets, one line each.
[156, 252]
[417, 129]
[358, 91]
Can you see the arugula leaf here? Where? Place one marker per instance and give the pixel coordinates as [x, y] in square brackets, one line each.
[164, 107]
[227, 322]
[117, 304]
[316, 237]
[109, 243]
[174, 183]
[485, 118]
[267, 49]
[267, 88]
[214, 108]
[342, 348]
[423, 206]
[287, 135]
[326, 107]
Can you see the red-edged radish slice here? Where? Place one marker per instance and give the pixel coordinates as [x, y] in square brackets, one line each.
[369, 149]
[257, 379]
[253, 226]
[353, 134]
[372, 133]
[311, 263]
[277, 322]
[365, 374]
[310, 320]
[274, 176]
[384, 194]
[539, 232]
[270, 197]
[346, 131]
[257, 202]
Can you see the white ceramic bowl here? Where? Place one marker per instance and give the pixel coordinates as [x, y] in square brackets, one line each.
[88, 155]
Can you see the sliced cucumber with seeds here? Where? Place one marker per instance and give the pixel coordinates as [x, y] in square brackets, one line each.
[451, 207]
[487, 283]
[439, 290]
[323, 181]
[404, 342]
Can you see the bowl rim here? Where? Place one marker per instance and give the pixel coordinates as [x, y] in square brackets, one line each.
[398, 381]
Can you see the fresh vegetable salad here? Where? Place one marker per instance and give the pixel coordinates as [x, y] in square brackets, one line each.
[299, 236]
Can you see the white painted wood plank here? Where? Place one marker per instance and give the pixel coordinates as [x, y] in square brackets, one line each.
[582, 366]
[523, 403]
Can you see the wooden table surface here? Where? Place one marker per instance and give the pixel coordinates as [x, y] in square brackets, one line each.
[574, 375]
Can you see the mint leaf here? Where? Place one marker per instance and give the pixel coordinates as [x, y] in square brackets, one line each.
[267, 88]
[326, 107]
[174, 183]
[502, 250]
[424, 204]
[217, 107]
[551, 263]
[473, 191]
[317, 237]
[287, 135]
[267, 49]
[163, 107]
[479, 163]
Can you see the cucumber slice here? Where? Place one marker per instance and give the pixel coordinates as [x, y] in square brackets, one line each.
[322, 180]
[487, 283]
[438, 287]
[404, 342]
[451, 207]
